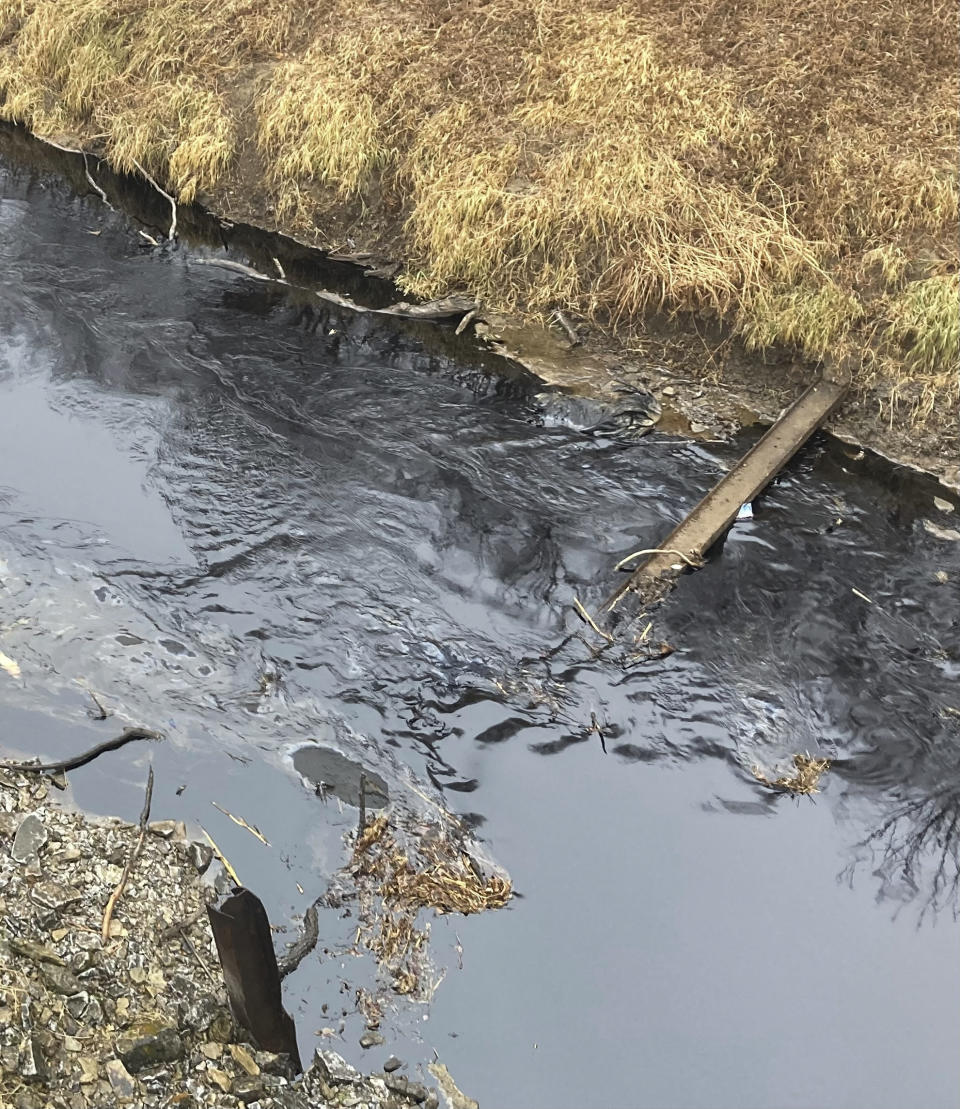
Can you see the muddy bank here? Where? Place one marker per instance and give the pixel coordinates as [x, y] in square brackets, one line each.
[707, 384]
[141, 1016]
[789, 170]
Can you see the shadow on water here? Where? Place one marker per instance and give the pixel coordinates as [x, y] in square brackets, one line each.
[263, 523]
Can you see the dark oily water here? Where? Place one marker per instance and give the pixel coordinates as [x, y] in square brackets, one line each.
[256, 522]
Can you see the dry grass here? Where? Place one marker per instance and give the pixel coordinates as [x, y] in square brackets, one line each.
[783, 165]
[395, 885]
[805, 780]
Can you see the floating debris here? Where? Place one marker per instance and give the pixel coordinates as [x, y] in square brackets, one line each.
[806, 780]
[395, 885]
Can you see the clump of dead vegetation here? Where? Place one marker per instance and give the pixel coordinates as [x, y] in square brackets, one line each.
[804, 780]
[790, 168]
[396, 884]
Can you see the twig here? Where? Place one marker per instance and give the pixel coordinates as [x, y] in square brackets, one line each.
[173, 203]
[96, 188]
[276, 262]
[240, 822]
[102, 712]
[126, 736]
[590, 620]
[567, 327]
[223, 858]
[658, 550]
[131, 859]
[465, 322]
[182, 925]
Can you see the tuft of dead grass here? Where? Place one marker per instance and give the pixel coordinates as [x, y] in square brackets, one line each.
[396, 885]
[780, 166]
[805, 780]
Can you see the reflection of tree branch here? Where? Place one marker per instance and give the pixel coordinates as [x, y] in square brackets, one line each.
[918, 830]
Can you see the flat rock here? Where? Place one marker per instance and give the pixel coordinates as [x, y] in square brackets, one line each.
[31, 949]
[149, 1044]
[60, 980]
[121, 1080]
[244, 1059]
[334, 1069]
[30, 838]
[54, 895]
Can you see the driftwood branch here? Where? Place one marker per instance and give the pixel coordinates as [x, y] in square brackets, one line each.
[131, 859]
[442, 309]
[295, 955]
[128, 735]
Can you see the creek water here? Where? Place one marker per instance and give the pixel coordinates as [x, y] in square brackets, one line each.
[256, 522]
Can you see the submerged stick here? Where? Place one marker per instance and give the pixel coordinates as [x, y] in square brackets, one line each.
[173, 203]
[298, 951]
[584, 615]
[128, 735]
[131, 859]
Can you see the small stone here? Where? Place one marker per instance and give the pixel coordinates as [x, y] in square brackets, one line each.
[54, 895]
[219, 1078]
[59, 933]
[77, 1004]
[93, 1014]
[333, 1068]
[211, 1051]
[392, 1064]
[123, 1006]
[944, 506]
[69, 855]
[60, 980]
[149, 1044]
[89, 1069]
[9, 823]
[168, 829]
[371, 1039]
[32, 1064]
[138, 975]
[279, 1065]
[668, 391]
[942, 577]
[58, 779]
[121, 1080]
[71, 1043]
[249, 1088]
[37, 952]
[244, 1059]
[27, 1099]
[200, 855]
[30, 838]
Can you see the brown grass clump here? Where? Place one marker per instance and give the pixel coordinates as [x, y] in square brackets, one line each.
[783, 166]
[806, 780]
[395, 885]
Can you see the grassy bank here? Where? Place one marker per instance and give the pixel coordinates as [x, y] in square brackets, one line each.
[789, 167]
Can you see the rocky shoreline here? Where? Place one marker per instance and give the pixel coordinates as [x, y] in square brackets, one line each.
[143, 1018]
